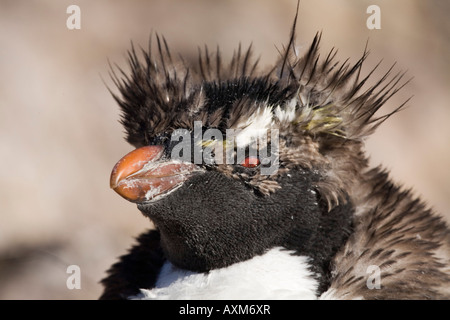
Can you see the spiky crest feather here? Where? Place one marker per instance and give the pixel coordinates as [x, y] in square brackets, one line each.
[163, 93]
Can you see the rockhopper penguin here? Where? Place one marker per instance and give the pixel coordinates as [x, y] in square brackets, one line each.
[258, 185]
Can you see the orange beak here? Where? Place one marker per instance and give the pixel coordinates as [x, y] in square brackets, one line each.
[142, 175]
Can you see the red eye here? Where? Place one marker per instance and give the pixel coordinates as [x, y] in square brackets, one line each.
[250, 162]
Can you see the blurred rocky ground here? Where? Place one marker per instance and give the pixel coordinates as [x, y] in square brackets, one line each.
[59, 130]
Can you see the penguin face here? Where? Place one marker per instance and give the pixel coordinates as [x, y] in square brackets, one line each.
[214, 211]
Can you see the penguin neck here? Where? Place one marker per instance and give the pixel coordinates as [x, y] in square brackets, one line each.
[288, 271]
[331, 233]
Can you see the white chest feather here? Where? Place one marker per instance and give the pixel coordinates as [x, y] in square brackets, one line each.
[275, 275]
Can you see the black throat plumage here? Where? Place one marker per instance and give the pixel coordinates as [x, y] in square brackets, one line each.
[213, 221]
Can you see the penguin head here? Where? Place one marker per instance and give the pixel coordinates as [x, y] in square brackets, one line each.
[231, 161]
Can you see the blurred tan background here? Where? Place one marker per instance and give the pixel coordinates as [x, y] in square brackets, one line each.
[59, 130]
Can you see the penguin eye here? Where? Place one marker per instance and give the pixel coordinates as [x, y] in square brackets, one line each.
[250, 162]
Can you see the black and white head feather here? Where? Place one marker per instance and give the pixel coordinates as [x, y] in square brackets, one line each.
[318, 96]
